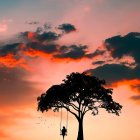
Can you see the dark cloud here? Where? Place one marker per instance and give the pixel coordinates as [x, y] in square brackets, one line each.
[136, 98]
[98, 62]
[46, 42]
[72, 51]
[120, 46]
[39, 35]
[43, 33]
[115, 72]
[16, 48]
[18, 51]
[48, 36]
[96, 53]
[10, 55]
[48, 48]
[9, 48]
[40, 43]
[67, 28]
[39, 30]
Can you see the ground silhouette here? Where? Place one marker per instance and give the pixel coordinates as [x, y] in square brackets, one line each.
[78, 94]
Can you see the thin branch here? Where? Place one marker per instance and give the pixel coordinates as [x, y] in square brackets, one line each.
[70, 111]
[84, 108]
[86, 111]
[73, 106]
[79, 109]
[63, 106]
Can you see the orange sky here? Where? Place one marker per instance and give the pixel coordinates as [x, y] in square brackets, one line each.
[28, 66]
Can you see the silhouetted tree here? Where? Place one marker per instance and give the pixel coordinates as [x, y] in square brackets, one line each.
[78, 94]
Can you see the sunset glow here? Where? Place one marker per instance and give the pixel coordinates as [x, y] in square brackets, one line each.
[100, 37]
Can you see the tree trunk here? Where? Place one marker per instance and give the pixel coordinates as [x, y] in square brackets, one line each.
[80, 131]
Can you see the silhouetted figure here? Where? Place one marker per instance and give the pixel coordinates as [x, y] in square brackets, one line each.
[64, 132]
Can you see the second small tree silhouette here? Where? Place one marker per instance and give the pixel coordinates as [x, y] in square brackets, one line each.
[78, 94]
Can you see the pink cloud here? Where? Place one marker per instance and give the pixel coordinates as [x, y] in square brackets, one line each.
[3, 27]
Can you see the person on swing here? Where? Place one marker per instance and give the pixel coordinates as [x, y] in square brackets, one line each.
[64, 132]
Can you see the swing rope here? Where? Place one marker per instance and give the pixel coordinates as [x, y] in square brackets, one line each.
[61, 120]
[67, 121]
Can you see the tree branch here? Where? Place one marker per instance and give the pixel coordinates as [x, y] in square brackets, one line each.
[82, 108]
[74, 106]
[63, 106]
[86, 111]
[70, 111]
[79, 109]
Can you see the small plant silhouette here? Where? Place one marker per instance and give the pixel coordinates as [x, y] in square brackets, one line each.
[78, 94]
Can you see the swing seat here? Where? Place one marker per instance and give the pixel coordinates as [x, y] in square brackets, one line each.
[65, 134]
[61, 133]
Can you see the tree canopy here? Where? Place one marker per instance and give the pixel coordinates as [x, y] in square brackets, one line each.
[79, 90]
[78, 94]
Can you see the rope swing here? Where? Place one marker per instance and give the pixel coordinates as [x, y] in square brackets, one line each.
[61, 120]
[64, 128]
[67, 121]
